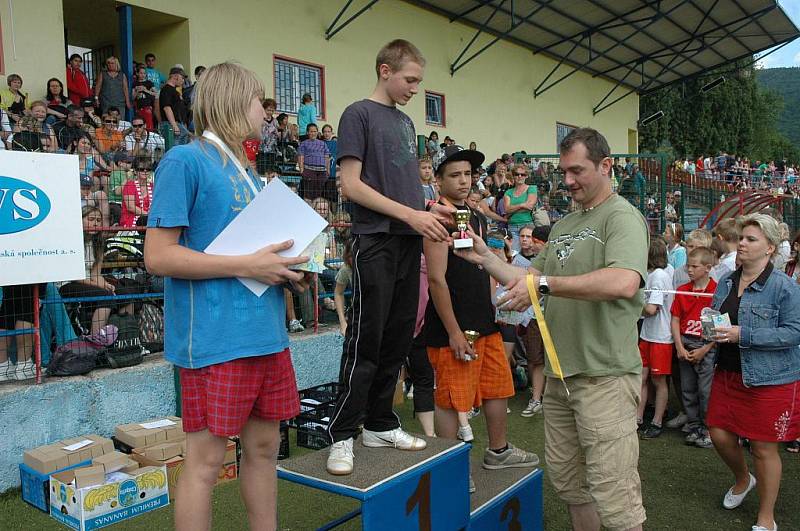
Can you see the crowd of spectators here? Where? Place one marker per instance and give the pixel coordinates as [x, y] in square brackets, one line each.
[743, 173]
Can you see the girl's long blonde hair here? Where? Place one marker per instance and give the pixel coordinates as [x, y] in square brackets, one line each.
[222, 102]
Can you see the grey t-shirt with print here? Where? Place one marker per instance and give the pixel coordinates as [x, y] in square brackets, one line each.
[596, 338]
[384, 140]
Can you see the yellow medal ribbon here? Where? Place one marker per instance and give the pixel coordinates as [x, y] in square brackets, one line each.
[549, 347]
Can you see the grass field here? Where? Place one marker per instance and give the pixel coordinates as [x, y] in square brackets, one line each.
[683, 488]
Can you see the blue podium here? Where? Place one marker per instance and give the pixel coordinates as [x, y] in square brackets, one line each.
[425, 490]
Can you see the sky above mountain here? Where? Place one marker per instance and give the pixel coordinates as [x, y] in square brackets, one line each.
[789, 55]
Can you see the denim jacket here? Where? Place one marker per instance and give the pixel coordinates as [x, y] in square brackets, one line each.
[769, 321]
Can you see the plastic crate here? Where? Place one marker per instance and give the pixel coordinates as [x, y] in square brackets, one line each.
[324, 393]
[312, 427]
[283, 451]
[36, 486]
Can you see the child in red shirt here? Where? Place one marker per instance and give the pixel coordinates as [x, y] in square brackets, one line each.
[695, 363]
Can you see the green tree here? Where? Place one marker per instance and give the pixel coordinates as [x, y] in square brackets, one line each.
[738, 117]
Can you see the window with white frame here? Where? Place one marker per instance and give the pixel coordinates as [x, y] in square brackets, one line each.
[434, 109]
[293, 79]
[562, 130]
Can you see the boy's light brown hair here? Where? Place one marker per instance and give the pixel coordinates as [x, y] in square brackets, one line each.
[397, 53]
[702, 237]
[425, 159]
[703, 254]
[727, 230]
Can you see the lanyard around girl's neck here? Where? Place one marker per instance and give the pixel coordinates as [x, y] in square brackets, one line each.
[216, 140]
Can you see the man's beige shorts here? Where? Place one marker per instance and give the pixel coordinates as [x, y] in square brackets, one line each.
[591, 445]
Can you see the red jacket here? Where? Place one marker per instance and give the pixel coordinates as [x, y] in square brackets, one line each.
[77, 86]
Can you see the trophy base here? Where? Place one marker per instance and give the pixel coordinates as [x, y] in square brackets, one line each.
[462, 243]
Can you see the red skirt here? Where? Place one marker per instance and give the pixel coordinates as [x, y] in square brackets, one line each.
[769, 413]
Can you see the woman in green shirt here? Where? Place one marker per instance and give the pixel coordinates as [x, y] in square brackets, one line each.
[519, 202]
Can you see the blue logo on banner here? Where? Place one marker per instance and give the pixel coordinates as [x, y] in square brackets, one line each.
[128, 492]
[22, 205]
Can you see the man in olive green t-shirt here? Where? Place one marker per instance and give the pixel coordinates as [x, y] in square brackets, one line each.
[593, 268]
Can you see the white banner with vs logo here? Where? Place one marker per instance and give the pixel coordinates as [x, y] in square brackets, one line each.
[41, 230]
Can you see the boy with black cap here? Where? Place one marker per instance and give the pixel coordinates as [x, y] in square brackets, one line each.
[469, 372]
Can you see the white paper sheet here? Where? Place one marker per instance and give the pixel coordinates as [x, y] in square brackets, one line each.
[77, 446]
[276, 214]
[157, 424]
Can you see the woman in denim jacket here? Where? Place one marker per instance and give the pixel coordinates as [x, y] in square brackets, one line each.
[756, 389]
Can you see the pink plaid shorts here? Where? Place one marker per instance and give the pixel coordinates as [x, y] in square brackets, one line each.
[222, 397]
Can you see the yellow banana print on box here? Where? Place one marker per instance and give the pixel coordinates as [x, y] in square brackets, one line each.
[99, 496]
[155, 479]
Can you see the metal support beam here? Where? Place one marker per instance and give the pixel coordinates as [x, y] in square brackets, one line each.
[697, 37]
[454, 67]
[641, 88]
[330, 32]
[125, 19]
[576, 20]
[474, 38]
[617, 85]
[637, 28]
[611, 23]
[538, 91]
[465, 13]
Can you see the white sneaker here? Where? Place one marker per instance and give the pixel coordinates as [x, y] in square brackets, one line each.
[474, 412]
[533, 407]
[396, 438]
[340, 458]
[6, 371]
[25, 371]
[295, 326]
[762, 528]
[732, 501]
[410, 394]
[465, 433]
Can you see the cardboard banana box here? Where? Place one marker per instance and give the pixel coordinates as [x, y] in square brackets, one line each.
[131, 491]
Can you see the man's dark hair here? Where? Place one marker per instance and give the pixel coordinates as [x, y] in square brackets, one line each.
[199, 70]
[75, 111]
[73, 56]
[282, 116]
[148, 56]
[596, 144]
[113, 109]
[309, 126]
[269, 102]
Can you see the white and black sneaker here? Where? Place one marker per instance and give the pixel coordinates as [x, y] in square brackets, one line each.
[396, 438]
[533, 407]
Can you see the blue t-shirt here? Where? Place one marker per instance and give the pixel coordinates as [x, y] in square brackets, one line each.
[155, 77]
[306, 114]
[215, 320]
[677, 256]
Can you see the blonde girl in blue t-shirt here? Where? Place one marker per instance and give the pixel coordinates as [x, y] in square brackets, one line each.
[230, 345]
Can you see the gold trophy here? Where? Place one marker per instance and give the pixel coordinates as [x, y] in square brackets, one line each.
[472, 336]
[462, 222]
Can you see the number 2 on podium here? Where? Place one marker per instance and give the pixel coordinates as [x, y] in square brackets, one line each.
[421, 497]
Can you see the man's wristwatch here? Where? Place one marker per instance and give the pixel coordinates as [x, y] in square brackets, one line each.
[544, 289]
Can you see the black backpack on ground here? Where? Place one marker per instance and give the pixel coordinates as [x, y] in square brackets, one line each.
[127, 348]
[75, 357]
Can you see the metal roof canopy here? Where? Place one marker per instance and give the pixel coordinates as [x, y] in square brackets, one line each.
[642, 45]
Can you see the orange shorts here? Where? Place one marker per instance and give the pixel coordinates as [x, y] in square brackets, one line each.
[462, 385]
[656, 356]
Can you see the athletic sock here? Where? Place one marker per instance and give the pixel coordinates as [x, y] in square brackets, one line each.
[499, 450]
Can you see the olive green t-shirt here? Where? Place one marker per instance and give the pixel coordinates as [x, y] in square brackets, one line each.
[596, 338]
